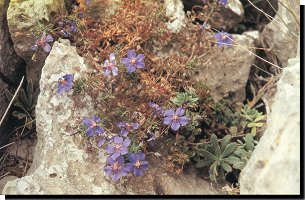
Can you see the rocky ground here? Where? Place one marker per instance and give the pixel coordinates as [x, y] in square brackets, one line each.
[56, 163]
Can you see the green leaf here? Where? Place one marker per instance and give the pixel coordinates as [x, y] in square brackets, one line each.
[218, 152]
[19, 105]
[239, 165]
[259, 118]
[229, 149]
[9, 95]
[29, 88]
[250, 125]
[249, 141]
[225, 141]
[23, 97]
[253, 131]
[35, 96]
[259, 124]
[214, 141]
[203, 163]
[241, 152]
[226, 167]
[233, 130]
[207, 155]
[231, 160]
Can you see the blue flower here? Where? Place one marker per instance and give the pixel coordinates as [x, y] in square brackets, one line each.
[133, 61]
[127, 127]
[223, 2]
[43, 42]
[65, 83]
[92, 125]
[175, 119]
[137, 163]
[119, 147]
[158, 111]
[224, 39]
[109, 66]
[115, 168]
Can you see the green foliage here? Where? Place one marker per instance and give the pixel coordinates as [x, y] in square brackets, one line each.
[25, 103]
[244, 151]
[218, 157]
[252, 119]
[223, 114]
[187, 98]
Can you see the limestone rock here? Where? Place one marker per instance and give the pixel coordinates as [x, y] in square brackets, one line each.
[22, 16]
[255, 35]
[61, 164]
[226, 72]
[274, 167]
[12, 67]
[5, 179]
[280, 38]
[174, 11]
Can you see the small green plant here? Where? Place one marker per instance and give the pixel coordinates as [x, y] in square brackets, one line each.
[185, 99]
[25, 103]
[218, 157]
[244, 150]
[252, 119]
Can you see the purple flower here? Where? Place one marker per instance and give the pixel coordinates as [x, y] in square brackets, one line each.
[101, 138]
[133, 61]
[65, 83]
[157, 109]
[119, 147]
[223, 2]
[224, 39]
[92, 125]
[175, 119]
[87, 2]
[109, 66]
[115, 168]
[43, 42]
[127, 127]
[68, 28]
[137, 163]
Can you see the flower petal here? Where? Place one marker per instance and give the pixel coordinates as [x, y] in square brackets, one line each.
[90, 131]
[118, 140]
[124, 150]
[141, 156]
[168, 120]
[175, 126]
[131, 54]
[131, 69]
[129, 167]
[124, 132]
[115, 155]
[135, 126]
[140, 57]
[132, 157]
[112, 57]
[96, 119]
[116, 176]
[109, 160]
[99, 130]
[46, 47]
[126, 143]
[138, 172]
[140, 65]
[169, 112]
[49, 38]
[121, 160]
[108, 170]
[87, 122]
[110, 149]
[180, 112]
[183, 120]
[115, 71]
[125, 61]
[144, 165]
[101, 142]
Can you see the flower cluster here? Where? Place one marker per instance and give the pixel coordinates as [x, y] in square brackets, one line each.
[67, 28]
[43, 42]
[65, 83]
[158, 111]
[127, 127]
[224, 39]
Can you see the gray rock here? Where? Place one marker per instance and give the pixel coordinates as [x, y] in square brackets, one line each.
[174, 11]
[61, 164]
[22, 16]
[281, 34]
[227, 69]
[12, 67]
[255, 35]
[274, 167]
[5, 179]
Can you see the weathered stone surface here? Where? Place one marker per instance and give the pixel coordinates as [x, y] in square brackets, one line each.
[227, 70]
[61, 164]
[281, 34]
[5, 179]
[223, 19]
[22, 16]
[255, 35]
[174, 11]
[12, 67]
[23, 149]
[274, 167]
